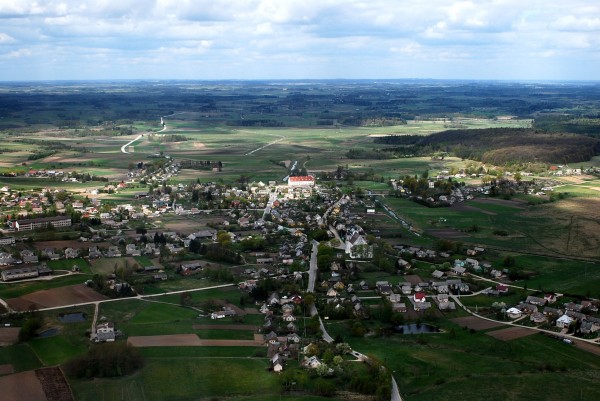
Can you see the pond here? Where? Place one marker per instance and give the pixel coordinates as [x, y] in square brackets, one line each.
[48, 332]
[416, 328]
[71, 317]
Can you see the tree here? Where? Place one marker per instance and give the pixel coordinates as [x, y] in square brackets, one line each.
[224, 238]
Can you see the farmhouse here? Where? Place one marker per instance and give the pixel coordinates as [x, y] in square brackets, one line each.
[105, 332]
[223, 313]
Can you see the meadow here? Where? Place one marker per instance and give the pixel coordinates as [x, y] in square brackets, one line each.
[474, 366]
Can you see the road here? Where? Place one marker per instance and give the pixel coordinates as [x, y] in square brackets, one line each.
[312, 271]
[124, 147]
[281, 138]
[553, 333]
[272, 198]
[138, 297]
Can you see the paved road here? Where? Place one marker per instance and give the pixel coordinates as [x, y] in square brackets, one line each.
[124, 147]
[312, 271]
[395, 391]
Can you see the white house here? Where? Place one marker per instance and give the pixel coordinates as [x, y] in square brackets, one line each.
[564, 321]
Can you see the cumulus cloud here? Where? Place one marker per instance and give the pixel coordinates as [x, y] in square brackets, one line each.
[297, 39]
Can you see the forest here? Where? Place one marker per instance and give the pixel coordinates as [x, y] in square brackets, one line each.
[500, 145]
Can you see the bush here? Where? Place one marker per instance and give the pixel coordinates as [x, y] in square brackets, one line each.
[106, 360]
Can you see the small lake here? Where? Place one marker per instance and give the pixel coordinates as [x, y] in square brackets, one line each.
[72, 317]
[48, 332]
[415, 328]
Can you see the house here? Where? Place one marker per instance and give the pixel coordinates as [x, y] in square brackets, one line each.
[28, 256]
[94, 252]
[273, 299]
[552, 312]
[131, 250]
[495, 273]
[564, 321]
[289, 318]
[591, 325]
[363, 285]
[538, 318]
[105, 332]
[312, 363]
[528, 308]
[222, 314]
[535, 300]
[419, 306]
[419, 297]
[459, 270]
[332, 293]
[437, 274]
[513, 313]
[406, 289]
[502, 288]
[383, 287]
[358, 247]
[71, 253]
[113, 252]
[589, 306]
[7, 240]
[51, 254]
[403, 264]
[550, 298]
[277, 363]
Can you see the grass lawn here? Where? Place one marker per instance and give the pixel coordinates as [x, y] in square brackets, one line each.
[476, 366]
[60, 348]
[21, 356]
[144, 261]
[67, 264]
[183, 379]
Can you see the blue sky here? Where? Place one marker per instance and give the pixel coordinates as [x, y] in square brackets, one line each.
[299, 39]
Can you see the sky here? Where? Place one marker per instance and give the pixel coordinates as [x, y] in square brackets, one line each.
[299, 39]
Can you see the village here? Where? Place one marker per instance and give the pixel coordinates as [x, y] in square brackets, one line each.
[267, 231]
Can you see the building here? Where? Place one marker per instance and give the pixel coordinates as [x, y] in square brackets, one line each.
[41, 223]
[105, 332]
[25, 272]
[301, 181]
[7, 240]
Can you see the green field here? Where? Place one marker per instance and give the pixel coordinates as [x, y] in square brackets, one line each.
[438, 366]
[14, 290]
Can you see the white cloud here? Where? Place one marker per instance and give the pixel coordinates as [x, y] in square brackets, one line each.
[4, 38]
[315, 36]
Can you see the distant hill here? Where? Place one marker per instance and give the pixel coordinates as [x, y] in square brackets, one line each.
[505, 145]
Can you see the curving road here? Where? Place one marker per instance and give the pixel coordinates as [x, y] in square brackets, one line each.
[124, 147]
